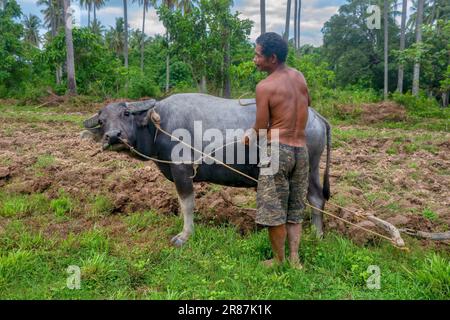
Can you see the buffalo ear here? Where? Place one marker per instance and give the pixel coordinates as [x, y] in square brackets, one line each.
[91, 122]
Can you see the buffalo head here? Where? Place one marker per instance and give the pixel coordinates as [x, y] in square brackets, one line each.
[117, 122]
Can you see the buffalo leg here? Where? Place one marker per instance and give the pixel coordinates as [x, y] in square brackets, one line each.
[316, 199]
[185, 190]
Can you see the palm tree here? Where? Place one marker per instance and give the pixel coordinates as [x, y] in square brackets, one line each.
[295, 24]
[88, 5]
[125, 34]
[186, 5]
[97, 4]
[53, 19]
[146, 5]
[114, 37]
[386, 57]
[298, 22]
[402, 46]
[262, 6]
[53, 15]
[72, 85]
[170, 4]
[288, 20]
[415, 89]
[97, 28]
[31, 25]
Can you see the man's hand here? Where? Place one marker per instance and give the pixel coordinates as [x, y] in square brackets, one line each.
[249, 136]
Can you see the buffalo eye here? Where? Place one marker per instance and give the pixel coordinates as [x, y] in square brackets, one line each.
[100, 122]
[126, 113]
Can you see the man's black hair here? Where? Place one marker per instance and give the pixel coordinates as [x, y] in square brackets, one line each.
[273, 43]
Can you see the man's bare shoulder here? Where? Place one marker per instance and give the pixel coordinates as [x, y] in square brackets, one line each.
[264, 86]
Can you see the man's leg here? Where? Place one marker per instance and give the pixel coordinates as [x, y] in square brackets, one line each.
[294, 233]
[277, 236]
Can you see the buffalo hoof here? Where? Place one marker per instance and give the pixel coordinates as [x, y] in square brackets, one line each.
[179, 240]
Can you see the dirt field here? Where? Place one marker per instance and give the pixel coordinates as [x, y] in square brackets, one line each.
[398, 175]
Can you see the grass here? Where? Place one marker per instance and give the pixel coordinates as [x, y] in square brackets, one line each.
[217, 263]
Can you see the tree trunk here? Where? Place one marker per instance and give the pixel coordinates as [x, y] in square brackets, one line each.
[70, 55]
[402, 46]
[298, 22]
[203, 85]
[386, 44]
[295, 24]
[262, 4]
[143, 36]
[89, 15]
[167, 70]
[226, 67]
[415, 89]
[445, 99]
[95, 16]
[288, 20]
[125, 47]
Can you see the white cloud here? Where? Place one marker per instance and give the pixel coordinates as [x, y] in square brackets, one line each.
[152, 24]
[312, 19]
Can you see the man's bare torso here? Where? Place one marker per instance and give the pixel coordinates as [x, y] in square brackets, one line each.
[288, 105]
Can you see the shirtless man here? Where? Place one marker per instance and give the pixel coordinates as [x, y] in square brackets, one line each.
[282, 102]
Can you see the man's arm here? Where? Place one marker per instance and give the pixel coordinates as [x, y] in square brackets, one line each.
[262, 107]
[262, 114]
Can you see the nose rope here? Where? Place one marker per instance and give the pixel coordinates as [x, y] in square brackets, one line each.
[158, 127]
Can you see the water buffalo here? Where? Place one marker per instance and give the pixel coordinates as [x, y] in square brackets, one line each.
[130, 122]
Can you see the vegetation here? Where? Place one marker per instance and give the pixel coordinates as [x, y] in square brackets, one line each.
[208, 50]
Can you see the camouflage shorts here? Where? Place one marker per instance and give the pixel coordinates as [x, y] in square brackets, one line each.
[281, 197]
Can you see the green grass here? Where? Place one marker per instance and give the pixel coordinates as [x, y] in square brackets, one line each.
[217, 263]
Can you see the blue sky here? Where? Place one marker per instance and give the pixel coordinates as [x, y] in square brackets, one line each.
[314, 14]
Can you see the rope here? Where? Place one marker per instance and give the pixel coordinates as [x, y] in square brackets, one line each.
[158, 127]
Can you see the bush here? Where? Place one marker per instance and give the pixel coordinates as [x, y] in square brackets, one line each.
[140, 86]
[421, 106]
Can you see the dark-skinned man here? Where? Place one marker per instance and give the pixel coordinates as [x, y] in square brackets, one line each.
[282, 101]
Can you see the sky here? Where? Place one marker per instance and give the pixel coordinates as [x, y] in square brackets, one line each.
[314, 14]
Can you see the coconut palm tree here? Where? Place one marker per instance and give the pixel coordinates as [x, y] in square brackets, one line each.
[53, 15]
[125, 34]
[402, 45]
[53, 20]
[186, 5]
[386, 44]
[288, 20]
[97, 28]
[31, 24]
[115, 38]
[88, 5]
[97, 4]
[262, 6]
[145, 6]
[416, 77]
[71, 83]
[170, 4]
[298, 22]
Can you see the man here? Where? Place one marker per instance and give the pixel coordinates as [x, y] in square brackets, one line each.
[282, 102]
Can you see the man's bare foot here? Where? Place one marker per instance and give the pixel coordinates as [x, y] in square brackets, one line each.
[295, 263]
[270, 263]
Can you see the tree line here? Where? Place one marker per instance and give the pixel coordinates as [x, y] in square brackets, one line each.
[206, 47]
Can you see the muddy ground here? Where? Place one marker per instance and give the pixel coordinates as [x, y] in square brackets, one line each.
[377, 173]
